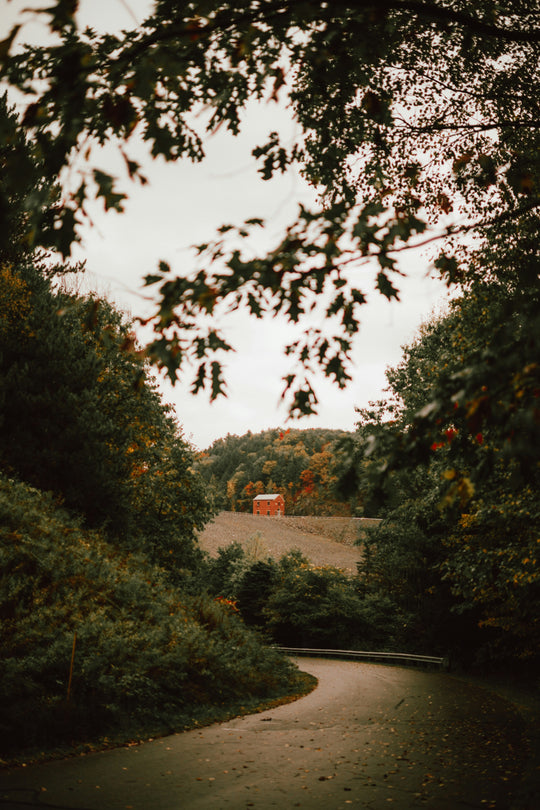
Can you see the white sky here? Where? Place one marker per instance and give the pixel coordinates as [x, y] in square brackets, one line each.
[182, 205]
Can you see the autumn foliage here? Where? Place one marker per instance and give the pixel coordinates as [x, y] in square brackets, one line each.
[304, 466]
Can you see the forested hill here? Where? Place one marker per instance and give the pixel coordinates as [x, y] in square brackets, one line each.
[303, 465]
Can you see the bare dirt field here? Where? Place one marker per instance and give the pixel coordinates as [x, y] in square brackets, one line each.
[323, 540]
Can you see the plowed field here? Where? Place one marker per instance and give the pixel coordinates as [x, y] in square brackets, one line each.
[323, 540]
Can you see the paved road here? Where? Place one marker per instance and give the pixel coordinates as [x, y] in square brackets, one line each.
[368, 737]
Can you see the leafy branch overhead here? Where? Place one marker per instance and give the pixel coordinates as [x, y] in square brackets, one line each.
[418, 122]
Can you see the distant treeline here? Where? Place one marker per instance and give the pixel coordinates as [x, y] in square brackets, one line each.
[305, 466]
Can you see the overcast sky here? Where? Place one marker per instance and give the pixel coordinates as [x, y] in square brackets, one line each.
[182, 205]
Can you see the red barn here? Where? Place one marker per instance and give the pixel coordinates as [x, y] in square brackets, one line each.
[269, 505]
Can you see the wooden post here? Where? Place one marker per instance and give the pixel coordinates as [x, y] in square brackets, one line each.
[71, 665]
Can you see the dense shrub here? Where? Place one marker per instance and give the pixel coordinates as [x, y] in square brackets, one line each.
[323, 607]
[458, 549]
[142, 650]
[255, 590]
[402, 559]
[297, 604]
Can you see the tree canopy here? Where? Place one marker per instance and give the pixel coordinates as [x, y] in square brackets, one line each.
[417, 123]
[458, 546]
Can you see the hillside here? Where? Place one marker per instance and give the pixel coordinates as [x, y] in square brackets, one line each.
[304, 466]
[323, 540]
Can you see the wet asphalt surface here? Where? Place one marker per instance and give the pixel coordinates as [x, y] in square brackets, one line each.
[369, 736]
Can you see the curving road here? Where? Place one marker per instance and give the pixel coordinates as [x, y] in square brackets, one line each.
[369, 736]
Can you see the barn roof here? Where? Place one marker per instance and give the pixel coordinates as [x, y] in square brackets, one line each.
[267, 497]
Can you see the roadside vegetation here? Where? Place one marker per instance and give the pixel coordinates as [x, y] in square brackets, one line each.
[98, 646]
[458, 547]
[297, 604]
[106, 632]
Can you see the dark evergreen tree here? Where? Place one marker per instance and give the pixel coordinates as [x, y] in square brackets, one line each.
[80, 417]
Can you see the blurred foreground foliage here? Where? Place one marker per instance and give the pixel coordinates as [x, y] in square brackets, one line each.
[414, 124]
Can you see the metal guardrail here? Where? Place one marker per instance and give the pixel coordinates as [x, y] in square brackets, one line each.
[362, 655]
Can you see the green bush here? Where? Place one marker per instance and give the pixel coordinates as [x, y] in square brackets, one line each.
[142, 649]
[323, 607]
[256, 589]
[297, 604]
[402, 560]
[221, 575]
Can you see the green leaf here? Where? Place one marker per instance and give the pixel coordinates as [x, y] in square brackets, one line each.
[385, 286]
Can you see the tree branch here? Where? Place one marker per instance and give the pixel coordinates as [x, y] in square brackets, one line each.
[418, 130]
[472, 24]
[271, 10]
[451, 230]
